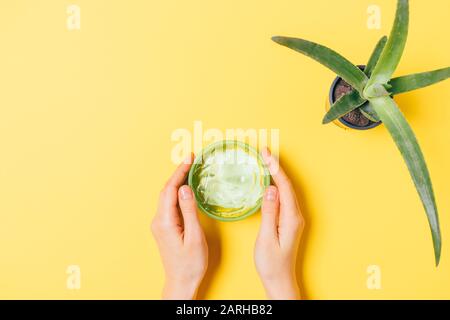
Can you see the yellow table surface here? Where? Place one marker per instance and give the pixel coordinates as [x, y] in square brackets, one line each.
[86, 118]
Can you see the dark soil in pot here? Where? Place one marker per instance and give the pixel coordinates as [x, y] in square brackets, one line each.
[355, 117]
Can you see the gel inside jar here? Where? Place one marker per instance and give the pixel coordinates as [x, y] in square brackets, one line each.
[228, 180]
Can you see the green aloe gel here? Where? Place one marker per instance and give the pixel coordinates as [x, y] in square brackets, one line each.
[228, 180]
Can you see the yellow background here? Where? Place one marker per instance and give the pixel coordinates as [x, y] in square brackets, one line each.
[86, 119]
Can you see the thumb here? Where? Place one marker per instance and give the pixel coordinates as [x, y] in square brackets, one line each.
[269, 213]
[188, 208]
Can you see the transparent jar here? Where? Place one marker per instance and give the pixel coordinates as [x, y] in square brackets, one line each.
[228, 179]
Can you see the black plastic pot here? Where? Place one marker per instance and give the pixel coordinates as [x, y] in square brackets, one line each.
[331, 99]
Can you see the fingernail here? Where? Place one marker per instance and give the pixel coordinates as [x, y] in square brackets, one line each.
[185, 193]
[271, 194]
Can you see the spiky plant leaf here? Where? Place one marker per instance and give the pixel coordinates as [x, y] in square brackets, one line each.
[368, 111]
[344, 105]
[375, 56]
[392, 52]
[419, 80]
[406, 142]
[408, 83]
[329, 58]
[353, 101]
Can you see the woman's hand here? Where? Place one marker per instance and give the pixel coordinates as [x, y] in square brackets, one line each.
[279, 236]
[181, 241]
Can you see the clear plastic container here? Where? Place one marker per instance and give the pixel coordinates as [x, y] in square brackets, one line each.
[228, 179]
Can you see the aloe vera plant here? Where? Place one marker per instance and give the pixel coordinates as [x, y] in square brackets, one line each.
[373, 91]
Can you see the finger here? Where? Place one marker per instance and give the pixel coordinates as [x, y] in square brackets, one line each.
[179, 176]
[169, 196]
[168, 211]
[269, 213]
[188, 206]
[286, 191]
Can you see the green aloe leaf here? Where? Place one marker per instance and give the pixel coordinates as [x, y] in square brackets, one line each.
[375, 56]
[419, 80]
[367, 109]
[344, 105]
[392, 52]
[409, 83]
[329, 58]
[407, 143]
[350, 103]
